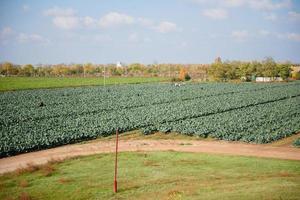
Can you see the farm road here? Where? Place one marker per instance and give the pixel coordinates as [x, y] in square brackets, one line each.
[217, 147]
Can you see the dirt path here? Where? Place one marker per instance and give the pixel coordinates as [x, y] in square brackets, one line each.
[217, 147]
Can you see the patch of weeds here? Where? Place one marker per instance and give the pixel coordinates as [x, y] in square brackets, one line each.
[55, 160]
[150, 163]
[25, 196]
[174, 194]
[23, 183]
[296, 143]
[64, 180]
[47, 170]
[182, 143]
[30, 167]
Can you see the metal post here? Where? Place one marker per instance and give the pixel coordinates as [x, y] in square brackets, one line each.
[116, 163]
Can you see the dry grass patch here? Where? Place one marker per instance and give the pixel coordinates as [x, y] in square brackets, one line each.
[30, 167]
[47, 170]
[189, 162]
[151, 163]
[25, 196]
[56, 160]
[174, 194]
[64, 180]
[23, 183]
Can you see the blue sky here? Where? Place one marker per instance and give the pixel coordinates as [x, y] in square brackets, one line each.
[163, 31]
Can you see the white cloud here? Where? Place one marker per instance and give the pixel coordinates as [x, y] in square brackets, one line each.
[32, 38]
[98, 38]
[115, 19]
[240, 35]
[66, 22]
[88, 21]
[24, 38]
[289, 36]
[64, 18]
[161, 27]
[293, 36]
[217, 13]
[166, 27]
[294, 16]
[147, 39]
[234, 3]
[271, 17]
[133, 37]
[264, 33]
[254, 4]
[58, 12]
[183, 44]
[67, 18]
[145, 22]
[137, 38]
[269, 4]
[103, 38]
[25, 8]
[8, 35]
[6, 32]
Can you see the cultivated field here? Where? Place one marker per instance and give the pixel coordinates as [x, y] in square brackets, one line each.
[21, 83]
[248, 112]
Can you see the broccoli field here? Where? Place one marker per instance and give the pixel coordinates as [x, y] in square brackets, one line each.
[38, 119]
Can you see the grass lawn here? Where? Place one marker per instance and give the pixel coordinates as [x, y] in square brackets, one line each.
[20, 83]
[158, 175]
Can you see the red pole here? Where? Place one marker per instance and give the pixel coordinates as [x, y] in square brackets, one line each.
[116, 163]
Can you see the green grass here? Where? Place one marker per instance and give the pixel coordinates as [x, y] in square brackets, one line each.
[21, 83]
[159, 175]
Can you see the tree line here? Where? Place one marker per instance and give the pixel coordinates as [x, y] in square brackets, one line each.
[219, 71]
[247, 71]
[89, 70]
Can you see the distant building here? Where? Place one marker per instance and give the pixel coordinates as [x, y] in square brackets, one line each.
[268, 79]
[218, 60]
[119, 64]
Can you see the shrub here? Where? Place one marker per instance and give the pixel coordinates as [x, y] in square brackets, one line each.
[296, 142]
[175, 79]
[23, 183]
[187, 77]
[296, 75]
[25, 196]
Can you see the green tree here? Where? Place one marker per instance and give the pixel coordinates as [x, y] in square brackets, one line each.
[28, 70]
[231, 70]
[284, 70]
[7, 68]
[217, 71]
[269, 67]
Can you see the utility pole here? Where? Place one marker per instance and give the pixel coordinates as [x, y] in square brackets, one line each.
[116, 163]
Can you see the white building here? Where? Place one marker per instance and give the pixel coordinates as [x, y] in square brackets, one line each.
[267, 79]
[119, 64]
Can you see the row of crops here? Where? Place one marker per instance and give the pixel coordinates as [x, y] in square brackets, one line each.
[38, 119]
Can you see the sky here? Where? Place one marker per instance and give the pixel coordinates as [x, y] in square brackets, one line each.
[152, 31]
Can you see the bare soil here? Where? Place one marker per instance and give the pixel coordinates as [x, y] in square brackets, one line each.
[101, 146]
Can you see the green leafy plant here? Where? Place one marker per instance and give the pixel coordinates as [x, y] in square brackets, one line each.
[248, 112]
[296, 143]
